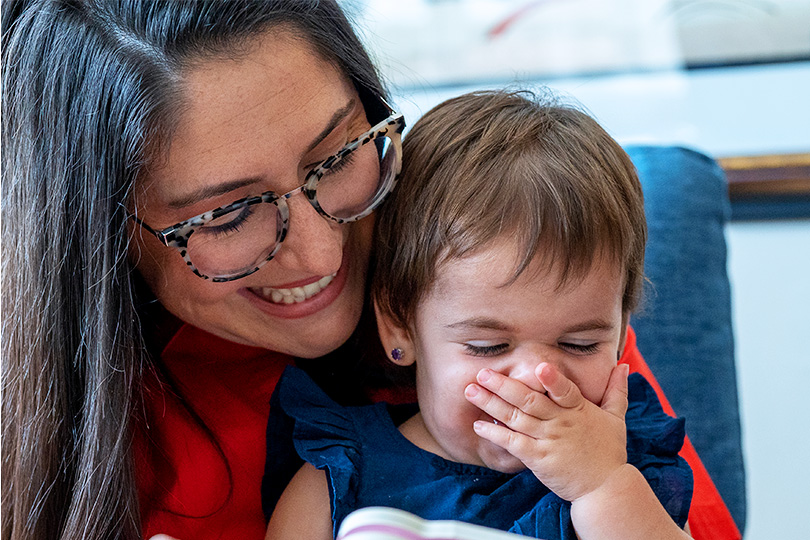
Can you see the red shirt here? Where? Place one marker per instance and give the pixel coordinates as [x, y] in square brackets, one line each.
[184, 487]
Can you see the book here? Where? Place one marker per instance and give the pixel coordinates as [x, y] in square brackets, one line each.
[381, 523]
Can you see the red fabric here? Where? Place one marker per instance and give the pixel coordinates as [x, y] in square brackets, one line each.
[709, 518]
[184, 488]
[183, 483]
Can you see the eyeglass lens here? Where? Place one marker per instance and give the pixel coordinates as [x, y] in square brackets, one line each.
[344, 194]
[234, 242]
[240, 240]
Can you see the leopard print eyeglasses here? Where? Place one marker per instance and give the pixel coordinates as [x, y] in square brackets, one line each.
[236, 240]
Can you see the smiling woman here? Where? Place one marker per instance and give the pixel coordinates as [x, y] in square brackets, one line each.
[251, 137]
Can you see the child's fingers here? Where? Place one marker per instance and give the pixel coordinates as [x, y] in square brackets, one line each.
[615, 398]
[514, 442]
[505, 413]
[560, 389]
[516, 393]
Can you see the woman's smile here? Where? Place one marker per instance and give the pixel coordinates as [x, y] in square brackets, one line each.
[294, 293]
[301, 298]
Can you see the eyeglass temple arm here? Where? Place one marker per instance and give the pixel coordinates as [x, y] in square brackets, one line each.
[159, 235]
[390, 110]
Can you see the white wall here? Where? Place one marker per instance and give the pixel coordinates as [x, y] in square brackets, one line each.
[769, 266]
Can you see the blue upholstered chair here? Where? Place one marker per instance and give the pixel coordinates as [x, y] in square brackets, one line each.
[684, 327]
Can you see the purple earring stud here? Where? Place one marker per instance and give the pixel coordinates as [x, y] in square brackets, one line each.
[396, 354]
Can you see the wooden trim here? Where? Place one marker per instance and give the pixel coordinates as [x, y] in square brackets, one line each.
[778, 175]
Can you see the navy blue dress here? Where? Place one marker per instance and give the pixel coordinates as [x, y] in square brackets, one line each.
[370, 463]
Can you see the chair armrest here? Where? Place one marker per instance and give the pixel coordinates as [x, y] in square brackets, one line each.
[684, 325]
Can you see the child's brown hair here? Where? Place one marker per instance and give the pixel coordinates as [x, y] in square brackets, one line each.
[492, 164]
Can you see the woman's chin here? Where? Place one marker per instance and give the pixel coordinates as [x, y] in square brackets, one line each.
[323, 346]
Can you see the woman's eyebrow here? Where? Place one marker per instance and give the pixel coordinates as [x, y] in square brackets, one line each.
[211, 191]
[336, 119]
[220, 189]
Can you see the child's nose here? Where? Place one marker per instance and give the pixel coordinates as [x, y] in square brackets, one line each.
[523, 370]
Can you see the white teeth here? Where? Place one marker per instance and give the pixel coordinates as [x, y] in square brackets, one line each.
[312, 289]
[299, 294]
[296, 294]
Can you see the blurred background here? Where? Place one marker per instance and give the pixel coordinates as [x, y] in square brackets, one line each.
[729, 78]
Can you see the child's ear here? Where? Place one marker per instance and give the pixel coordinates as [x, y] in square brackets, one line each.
[395, 339]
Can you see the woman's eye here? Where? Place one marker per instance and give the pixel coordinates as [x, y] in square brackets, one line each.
[579, 349]
[485, 350]
[229, 223]
[340, 165]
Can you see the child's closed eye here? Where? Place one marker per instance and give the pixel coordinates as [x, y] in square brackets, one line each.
[482, 349]
[580, 349]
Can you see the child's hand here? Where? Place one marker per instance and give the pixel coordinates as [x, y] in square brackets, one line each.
[571, 444]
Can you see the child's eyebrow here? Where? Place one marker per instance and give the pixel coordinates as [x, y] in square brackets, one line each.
[477, 323]
[495, 324]
[595, 324]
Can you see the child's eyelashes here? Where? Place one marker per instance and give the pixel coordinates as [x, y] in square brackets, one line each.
[485, 350]
[580, 349]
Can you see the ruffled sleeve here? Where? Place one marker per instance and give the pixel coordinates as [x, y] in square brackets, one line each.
[322, 431]
[653, 442]
[550, 519]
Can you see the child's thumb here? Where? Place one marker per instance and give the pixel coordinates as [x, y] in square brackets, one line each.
[615, 399]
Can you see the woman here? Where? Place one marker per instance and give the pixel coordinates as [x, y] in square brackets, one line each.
[122, 119]
[155, 283]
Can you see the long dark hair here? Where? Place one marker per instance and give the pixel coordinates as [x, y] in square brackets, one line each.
[88, 88]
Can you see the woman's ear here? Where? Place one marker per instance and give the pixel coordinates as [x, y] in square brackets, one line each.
[395, 339]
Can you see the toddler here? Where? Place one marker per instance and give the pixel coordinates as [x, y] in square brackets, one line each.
[507, 264]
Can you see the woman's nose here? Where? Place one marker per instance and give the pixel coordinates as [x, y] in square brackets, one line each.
[314, 244]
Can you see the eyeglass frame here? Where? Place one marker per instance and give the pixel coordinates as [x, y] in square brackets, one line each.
[177, 235]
